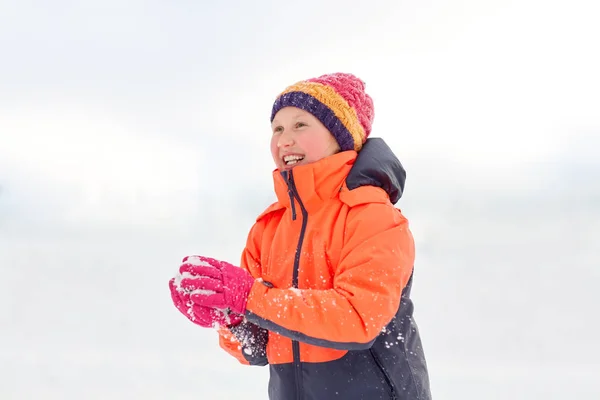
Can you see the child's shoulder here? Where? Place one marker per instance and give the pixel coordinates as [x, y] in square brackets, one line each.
[273, 208]
[364, 195]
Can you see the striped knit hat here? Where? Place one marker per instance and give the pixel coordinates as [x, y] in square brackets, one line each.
[339, 101]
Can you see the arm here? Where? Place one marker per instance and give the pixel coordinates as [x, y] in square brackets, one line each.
[229, 343]
[375, 265]
[247, 342]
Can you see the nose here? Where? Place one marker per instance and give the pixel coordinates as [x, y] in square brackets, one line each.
[286, 139]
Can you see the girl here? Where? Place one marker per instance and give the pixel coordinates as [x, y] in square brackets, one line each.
[323, 292]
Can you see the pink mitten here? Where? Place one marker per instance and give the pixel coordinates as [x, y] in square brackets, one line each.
[215, 284]
[206, 317]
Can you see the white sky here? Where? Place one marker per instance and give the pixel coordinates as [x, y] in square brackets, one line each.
[143, 126]
[118, 104]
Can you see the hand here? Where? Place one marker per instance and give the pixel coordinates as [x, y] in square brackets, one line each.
[206, 317]
[215, 284]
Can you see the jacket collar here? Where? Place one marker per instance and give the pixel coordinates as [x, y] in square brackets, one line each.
[314, 183]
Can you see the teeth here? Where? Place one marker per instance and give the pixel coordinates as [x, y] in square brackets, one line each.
[292, 159]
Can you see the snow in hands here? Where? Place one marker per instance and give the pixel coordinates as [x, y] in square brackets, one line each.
[197, 261]
[187, 275]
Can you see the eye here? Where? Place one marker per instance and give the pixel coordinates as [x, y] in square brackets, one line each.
[278, 129]
[300, 124]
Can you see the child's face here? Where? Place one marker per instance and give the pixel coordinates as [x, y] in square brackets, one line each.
[299, 138]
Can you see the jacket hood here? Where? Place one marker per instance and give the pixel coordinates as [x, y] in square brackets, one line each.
[377, 165]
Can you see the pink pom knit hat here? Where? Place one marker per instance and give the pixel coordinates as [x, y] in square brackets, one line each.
[339, 101]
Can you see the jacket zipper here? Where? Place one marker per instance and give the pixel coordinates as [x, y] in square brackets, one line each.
[293, 193]
[385, 374]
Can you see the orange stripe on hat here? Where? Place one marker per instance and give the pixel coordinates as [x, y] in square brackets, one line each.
[334, 101]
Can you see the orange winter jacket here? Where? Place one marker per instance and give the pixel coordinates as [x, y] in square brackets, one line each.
[330, 311]
[332, 261]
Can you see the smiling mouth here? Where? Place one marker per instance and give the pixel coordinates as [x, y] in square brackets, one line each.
[292, 160]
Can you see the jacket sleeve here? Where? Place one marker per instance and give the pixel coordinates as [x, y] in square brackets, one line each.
[229, 343]
[375, 265]
[247, 342]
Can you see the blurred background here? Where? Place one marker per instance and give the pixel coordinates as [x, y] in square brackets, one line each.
[135, 133]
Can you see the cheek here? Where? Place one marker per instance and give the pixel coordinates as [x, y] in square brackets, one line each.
[274, 149]
[314, 148]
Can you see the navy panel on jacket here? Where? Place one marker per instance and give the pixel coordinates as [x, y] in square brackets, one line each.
[353, 377]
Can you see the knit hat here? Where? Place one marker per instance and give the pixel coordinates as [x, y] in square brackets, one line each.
[337, 100]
